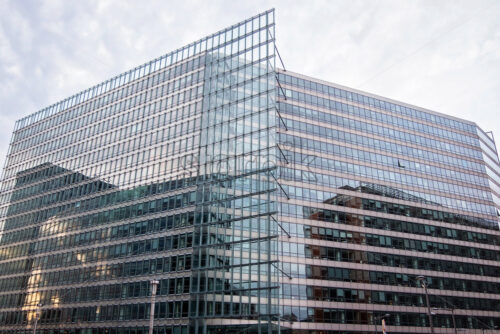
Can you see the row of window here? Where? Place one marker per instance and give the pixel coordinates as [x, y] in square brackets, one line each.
[81, 154]
[112, 233]
[240, 102]
[125, 212]
[386, 278]
[99, 272]
[163, 310]
[384, 131]
[88, 113]
[345, 108]
[56, 197]
[108, 199]
[97, 236]
[183, 262]
[66, 139]
[96, 97]
[409, 211]
[307, 212]
[118, 151]
[332, 164]
[339, 217]
[166, 118]
[67, 179]
[407, 244]
[306, 176]
[43, 172]
[329, 294]
[369, 156]
[337, 273]
[136, 228]
[341, 316]
[223, 129]
[384, 259]
[396, 148]
[167, 286]
[374, 102]
[78, 257]
[57, 152]
[91, 237]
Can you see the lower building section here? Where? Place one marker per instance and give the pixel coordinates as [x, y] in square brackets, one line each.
[336, 266]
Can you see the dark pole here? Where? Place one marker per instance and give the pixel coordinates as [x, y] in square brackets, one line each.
[37, 314]
[453, 319]
[154, 285]
[452, 310]
[375, 319]
[422, 281]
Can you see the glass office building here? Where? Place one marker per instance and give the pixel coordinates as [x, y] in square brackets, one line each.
[259, 200]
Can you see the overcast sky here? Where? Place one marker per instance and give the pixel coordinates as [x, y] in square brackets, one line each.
[441, 55]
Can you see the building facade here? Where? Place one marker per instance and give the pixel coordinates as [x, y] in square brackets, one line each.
[259, 200]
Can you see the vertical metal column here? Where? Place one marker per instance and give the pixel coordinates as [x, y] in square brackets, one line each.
[423, 282]
[154, 285]
[37, 314]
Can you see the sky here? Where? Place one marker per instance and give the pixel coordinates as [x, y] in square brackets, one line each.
[440, 55]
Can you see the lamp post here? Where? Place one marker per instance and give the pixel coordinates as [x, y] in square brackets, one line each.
[37, 314]
[375, 319]
[423, 282]
[154, 285]
[452, 310]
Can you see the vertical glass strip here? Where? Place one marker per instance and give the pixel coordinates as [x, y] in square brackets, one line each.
[235, 279]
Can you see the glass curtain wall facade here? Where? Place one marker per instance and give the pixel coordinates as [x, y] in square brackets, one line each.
[162, 173]
[374, 195]
[261, 200]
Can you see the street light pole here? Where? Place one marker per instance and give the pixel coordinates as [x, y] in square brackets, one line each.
[154, 285]
[375, 319]
[37, 313]
[452, 310]
[423, 282]
[453, 319]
